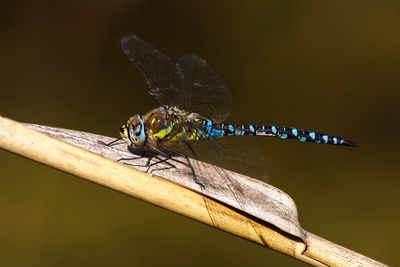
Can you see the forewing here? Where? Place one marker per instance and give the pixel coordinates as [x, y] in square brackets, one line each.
[204, 91]
[162, 76]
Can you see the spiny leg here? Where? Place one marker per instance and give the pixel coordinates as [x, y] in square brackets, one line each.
[148, 164]
[133, 158]
[170, 165]
[160, 152]
[143, 152]
[189, 164]
[112, 143]
[191, 150]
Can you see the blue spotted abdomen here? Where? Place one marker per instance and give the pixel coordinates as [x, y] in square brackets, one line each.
[213, 130]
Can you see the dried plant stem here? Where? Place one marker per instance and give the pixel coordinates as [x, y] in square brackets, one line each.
[21, 140]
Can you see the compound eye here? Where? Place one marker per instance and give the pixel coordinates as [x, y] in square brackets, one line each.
[138, 129]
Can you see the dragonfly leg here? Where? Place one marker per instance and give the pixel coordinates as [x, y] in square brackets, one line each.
[191, 150]
[162, 153]
[133, 158]
[112, 143]
[165, 160]
[188, 162]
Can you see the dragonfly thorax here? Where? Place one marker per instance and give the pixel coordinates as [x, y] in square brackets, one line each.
[133, 132]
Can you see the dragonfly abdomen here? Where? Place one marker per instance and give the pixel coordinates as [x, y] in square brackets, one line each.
[213, 130]
[301, 135]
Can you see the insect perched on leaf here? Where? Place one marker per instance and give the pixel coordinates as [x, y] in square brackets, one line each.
[194, 103]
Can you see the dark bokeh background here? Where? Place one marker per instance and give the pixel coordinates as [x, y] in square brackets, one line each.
[328, 67]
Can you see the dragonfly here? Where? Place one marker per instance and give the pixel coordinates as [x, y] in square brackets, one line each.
[194, 103]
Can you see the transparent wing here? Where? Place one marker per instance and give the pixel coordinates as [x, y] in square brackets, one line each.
[204, 91]
[246, 161]
[238, 154]
[162, 76]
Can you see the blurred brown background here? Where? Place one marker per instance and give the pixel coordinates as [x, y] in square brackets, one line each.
[328, 67]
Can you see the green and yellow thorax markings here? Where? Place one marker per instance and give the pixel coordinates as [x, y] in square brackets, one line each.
[170, 125]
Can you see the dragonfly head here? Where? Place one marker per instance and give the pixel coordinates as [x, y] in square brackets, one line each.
[133, 132]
